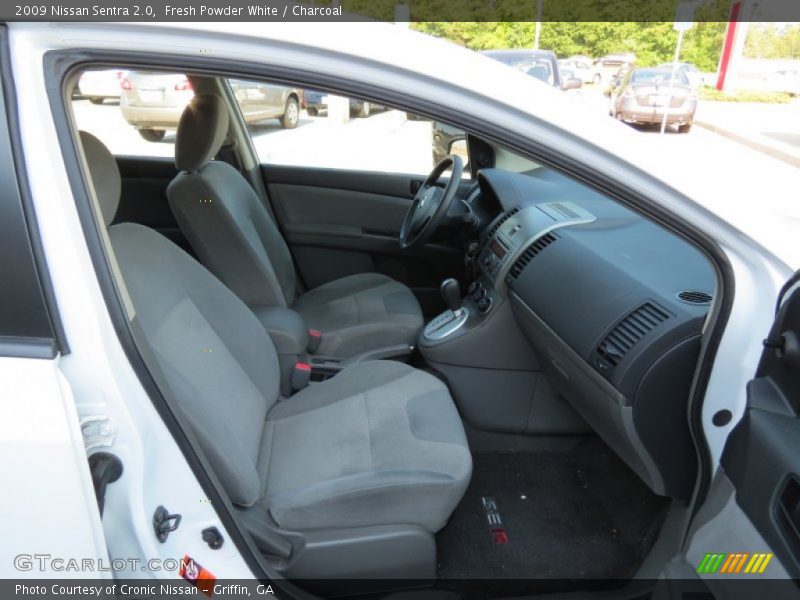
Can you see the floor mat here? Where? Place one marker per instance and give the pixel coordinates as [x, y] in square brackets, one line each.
[578, 514]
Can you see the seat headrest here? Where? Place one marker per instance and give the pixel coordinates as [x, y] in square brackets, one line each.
[104, 173]
[201, 131]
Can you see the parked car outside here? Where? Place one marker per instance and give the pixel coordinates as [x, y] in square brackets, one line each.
[570, 80]
[582, 69]
[694, 76]
[644, 95]
[784, 80]
[315, 103]
[100, 85]
[612, 65]
[541, 64]
[153, 102]
[616, 60]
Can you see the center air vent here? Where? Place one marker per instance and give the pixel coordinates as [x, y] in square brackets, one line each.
[527, 255]
[505, 217]
[695, 297]
[629, 331]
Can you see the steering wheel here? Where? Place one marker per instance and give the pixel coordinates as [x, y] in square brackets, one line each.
[431, 203]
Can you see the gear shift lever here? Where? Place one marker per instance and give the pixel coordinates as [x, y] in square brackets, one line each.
[450, 320]
[451, 294]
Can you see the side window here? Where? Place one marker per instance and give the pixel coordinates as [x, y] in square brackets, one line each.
[312, 128]
[133, 113]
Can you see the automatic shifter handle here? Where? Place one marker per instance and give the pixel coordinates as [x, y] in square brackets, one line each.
[451, 294]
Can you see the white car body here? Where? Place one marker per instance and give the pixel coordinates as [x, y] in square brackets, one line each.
[583, 69]
[96, 378]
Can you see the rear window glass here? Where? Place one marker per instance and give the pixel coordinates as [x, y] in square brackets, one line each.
[657, 76]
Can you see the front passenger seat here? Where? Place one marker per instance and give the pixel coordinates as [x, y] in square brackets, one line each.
[380, 445]
[235, 237]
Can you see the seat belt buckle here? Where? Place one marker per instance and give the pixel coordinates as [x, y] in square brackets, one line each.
[301, 376]
[314, 340]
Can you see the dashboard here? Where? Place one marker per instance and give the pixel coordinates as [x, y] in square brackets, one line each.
[612, 304]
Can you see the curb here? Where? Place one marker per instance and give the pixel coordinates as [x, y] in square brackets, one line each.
[763, 148]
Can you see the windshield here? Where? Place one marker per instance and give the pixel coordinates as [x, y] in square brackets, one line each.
[658, 76]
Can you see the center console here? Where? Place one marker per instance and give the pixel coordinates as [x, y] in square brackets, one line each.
[477, 344]
[510, 241]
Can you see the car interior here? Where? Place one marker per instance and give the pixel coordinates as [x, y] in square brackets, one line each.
[477, 374]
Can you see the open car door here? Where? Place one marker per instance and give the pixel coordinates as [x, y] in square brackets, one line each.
[746, 536]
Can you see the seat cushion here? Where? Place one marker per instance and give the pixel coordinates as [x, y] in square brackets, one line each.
[381, 443]
[360, 313]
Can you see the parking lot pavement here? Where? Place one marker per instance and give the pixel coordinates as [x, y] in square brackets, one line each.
[770, 128]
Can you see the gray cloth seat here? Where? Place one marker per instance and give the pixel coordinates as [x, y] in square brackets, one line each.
[360, 313]
[236, 239]
[381, 443]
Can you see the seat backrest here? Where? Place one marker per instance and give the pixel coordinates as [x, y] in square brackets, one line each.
[221, 215]
[211, 350]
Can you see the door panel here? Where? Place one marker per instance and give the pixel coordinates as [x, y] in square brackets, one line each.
[303, 207]
[340, 222]
[743, 541]
[762, 454]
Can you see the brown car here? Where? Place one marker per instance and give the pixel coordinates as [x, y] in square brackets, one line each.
[645, 95]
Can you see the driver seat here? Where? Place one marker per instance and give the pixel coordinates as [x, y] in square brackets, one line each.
[235, 237]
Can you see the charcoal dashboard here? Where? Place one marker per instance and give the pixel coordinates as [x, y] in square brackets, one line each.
[612, 304]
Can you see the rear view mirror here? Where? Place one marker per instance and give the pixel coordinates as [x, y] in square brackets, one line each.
[572, 83]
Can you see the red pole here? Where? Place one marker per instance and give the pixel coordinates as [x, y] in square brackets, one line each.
[727, 46]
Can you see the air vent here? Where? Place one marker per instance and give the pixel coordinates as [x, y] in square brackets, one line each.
[527, 255]
[502, 220]
[629, 331]
[472, 193]
[695, 297]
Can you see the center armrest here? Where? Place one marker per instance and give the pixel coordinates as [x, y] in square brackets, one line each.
[286, 328]
[289, 334]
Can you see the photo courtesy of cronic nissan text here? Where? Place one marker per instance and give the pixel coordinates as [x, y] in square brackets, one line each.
[400, 300]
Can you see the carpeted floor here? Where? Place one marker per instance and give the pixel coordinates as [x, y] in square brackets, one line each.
[569, 515]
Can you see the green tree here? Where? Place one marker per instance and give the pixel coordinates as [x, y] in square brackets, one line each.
[652, 42]
[772, 40]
